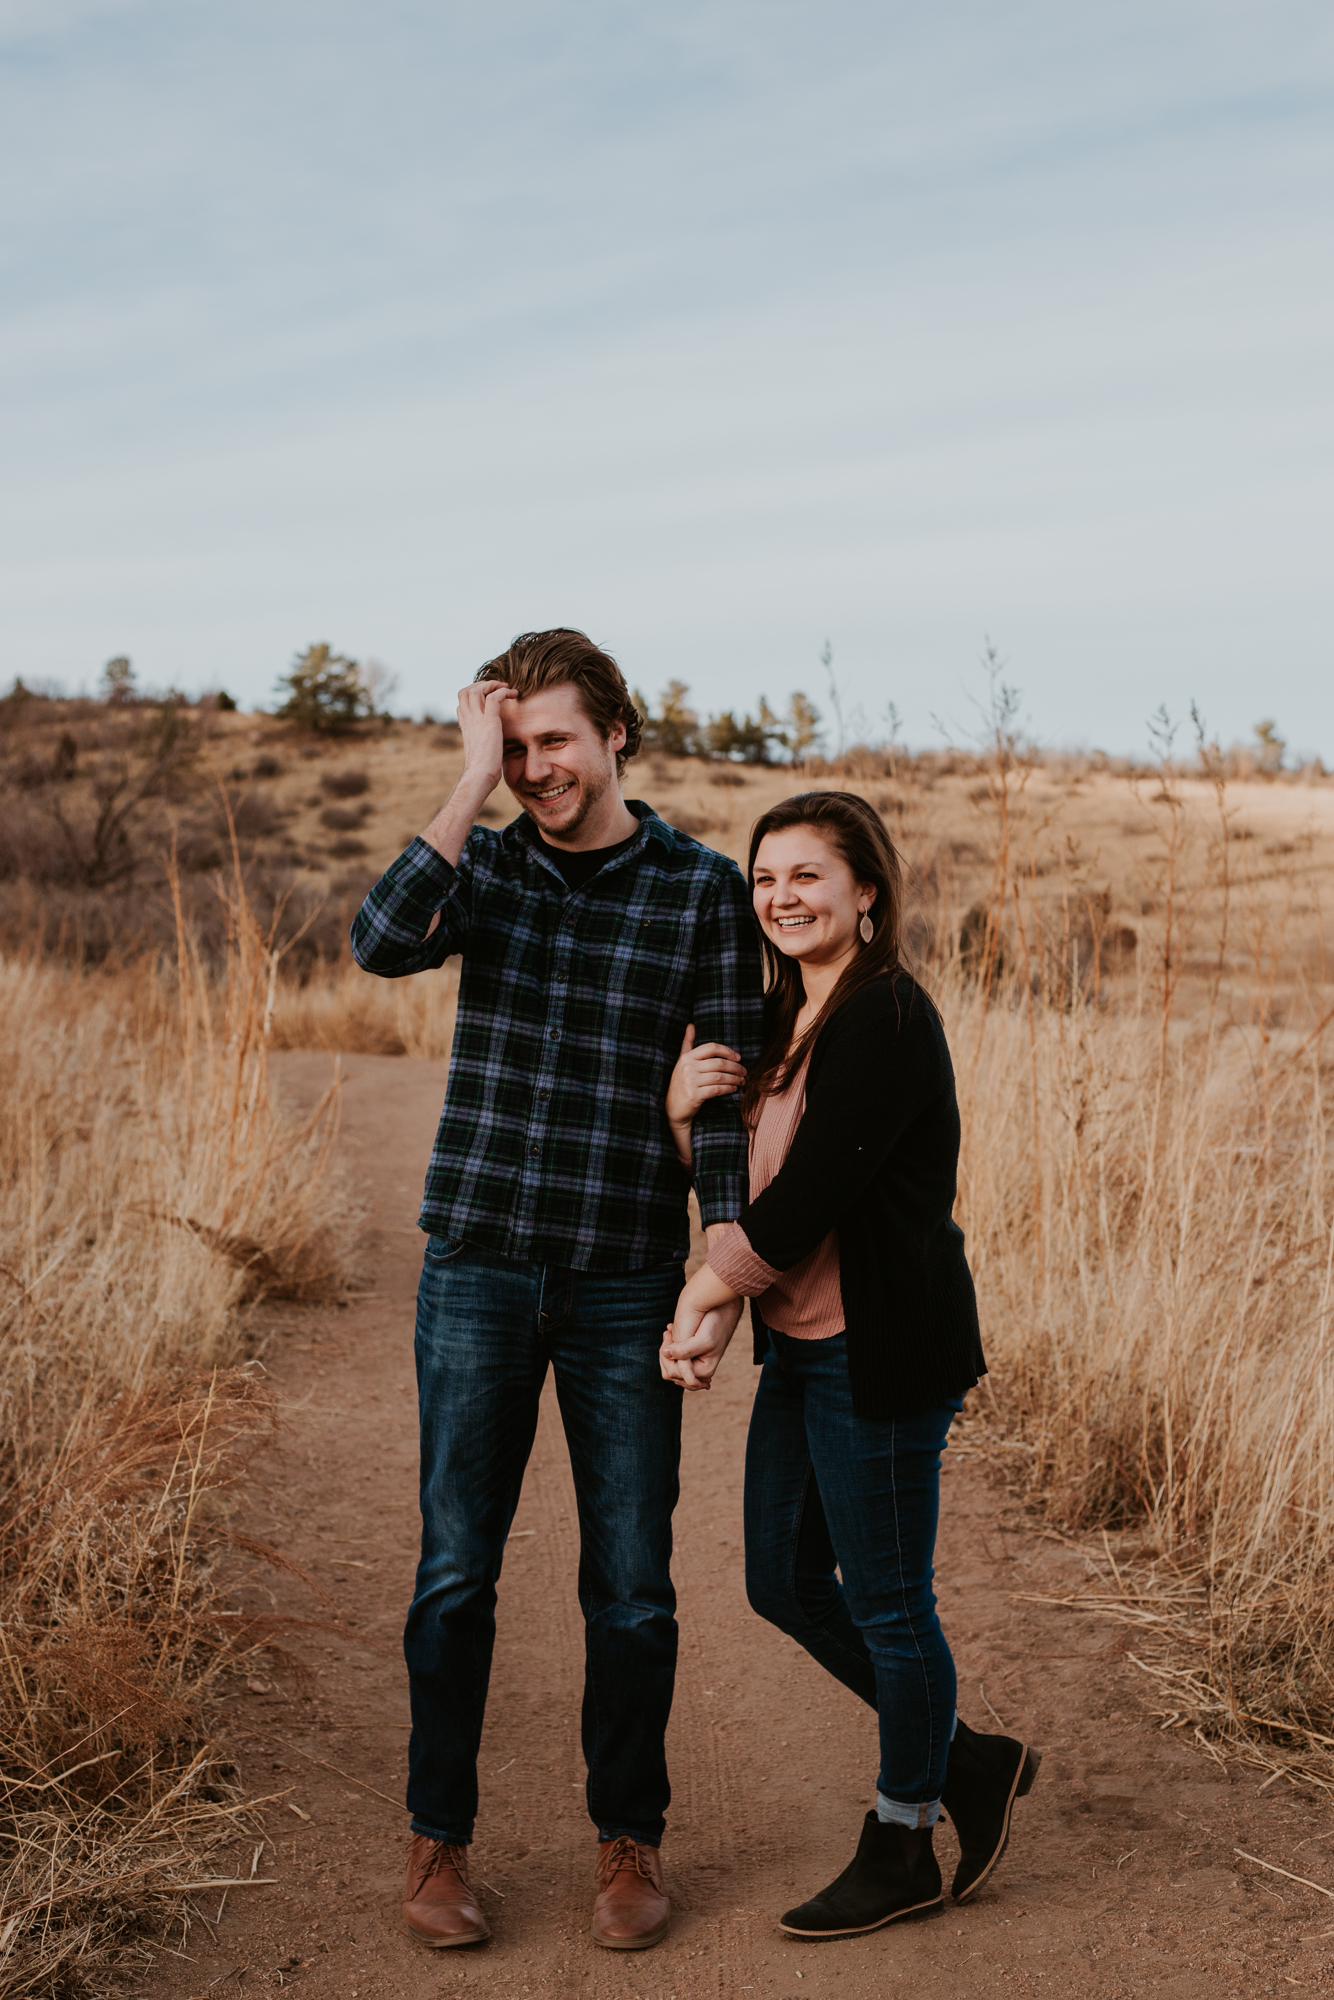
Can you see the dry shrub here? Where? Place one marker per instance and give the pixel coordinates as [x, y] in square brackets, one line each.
[254, 816]
[151, 1190]
[342, 819]
[345, 784]
[699, 825]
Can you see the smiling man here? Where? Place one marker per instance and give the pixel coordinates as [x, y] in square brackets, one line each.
[591, 935]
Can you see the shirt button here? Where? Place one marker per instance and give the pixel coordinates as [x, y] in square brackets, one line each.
[555, 1034]
[544, 1095]
[534, 1152]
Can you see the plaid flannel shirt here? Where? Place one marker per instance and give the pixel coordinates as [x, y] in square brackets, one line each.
[554, 1144]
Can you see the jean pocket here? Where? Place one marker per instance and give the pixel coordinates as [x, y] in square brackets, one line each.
[443, 1249]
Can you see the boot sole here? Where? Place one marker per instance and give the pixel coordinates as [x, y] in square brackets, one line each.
[633, 1944]
[1025, 1778]
[446, 1943]
[860, 1930]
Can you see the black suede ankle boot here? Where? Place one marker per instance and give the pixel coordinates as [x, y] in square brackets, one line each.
[986, 1775]
[892, 1874]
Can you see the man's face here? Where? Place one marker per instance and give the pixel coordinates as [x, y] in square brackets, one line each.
[556, 762]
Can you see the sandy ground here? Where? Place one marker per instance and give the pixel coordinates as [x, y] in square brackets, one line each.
[1122, 1877]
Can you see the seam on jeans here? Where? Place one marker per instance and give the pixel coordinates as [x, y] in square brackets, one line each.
[591, 1685]
[825, 1625]
[822, 1625]
[903, 1592]
[798, 1517]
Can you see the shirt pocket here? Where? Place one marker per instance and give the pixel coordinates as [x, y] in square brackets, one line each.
[662, 940]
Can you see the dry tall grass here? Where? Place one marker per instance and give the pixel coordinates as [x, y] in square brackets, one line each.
[1146, 1187]
[1152, 1235]
[152, 1191]
[343, 1009]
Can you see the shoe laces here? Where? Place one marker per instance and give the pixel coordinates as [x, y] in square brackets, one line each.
[440, 1855]
[623, 1852]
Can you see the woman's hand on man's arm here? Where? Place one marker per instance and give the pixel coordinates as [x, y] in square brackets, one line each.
[711, 1070]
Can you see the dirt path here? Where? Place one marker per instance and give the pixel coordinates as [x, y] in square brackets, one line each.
[1122, 1877]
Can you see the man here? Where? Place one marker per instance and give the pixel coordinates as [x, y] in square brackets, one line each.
[591, 934]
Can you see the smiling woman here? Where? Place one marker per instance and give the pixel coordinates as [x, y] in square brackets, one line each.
[866, 1325]
[828, 892]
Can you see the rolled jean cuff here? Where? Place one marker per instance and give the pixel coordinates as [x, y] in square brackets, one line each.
[893, 1812]
[435, 1833]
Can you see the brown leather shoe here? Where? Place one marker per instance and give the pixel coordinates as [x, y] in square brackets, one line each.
[632, 1910]
[438, 1905]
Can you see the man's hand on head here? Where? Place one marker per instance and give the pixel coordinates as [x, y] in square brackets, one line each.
[481, 720]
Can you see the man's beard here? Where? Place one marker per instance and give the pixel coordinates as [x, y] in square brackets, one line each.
[591, 793]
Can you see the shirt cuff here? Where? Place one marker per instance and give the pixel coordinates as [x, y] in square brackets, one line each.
[722, 1194]
[421, 875]
[732, 1259]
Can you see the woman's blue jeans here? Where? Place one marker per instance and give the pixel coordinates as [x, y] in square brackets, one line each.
[829, 1493]
[487, 1330]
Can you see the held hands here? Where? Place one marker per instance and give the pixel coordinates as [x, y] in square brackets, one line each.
[711, 1070]
[696, 1342]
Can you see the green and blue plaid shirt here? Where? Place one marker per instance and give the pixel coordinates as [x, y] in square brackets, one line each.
[553, 1144]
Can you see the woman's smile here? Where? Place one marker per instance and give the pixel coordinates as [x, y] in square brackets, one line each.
[806, 896]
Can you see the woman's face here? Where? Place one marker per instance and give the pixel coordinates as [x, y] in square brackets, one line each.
[806, 897]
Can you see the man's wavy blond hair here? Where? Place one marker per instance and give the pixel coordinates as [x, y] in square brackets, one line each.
[564, 657]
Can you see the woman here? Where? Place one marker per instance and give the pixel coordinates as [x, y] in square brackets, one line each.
[866, 1324]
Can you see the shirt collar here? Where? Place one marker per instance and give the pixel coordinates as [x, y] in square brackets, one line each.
[652, 827]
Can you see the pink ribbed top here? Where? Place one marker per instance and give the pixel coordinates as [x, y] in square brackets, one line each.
[807, 1300]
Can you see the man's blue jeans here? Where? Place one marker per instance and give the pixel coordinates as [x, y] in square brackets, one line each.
[825, 1487]
[486, 1331]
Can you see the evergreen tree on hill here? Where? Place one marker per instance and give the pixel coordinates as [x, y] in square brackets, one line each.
[325, 690]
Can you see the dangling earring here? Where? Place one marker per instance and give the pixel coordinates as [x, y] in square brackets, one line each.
[866, 927]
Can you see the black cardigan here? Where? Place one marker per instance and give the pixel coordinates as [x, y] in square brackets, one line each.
[875, 1157]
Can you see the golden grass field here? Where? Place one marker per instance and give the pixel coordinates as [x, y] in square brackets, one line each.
[1138, 988]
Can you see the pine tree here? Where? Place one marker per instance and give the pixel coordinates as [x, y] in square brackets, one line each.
[801, 727]
[675, 728]
[118, 681]
[1272, 748]
[325, 690]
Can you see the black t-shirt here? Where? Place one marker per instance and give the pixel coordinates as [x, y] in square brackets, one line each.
[579, 864]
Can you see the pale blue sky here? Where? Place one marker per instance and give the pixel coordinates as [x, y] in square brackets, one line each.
[712, 328]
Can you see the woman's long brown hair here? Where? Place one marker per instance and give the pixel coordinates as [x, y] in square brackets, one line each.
[856, 829]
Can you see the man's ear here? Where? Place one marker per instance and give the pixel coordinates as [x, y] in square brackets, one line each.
[616, 738]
